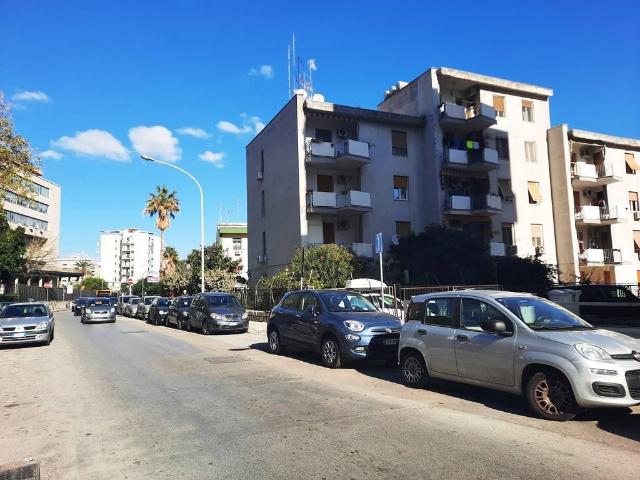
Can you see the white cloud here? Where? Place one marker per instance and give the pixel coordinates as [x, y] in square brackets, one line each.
[51, 154]
[157, 142]
[264, 70]
[94, 143]
[212, 157]
[193, 132]
[31, 96]
[250, 124]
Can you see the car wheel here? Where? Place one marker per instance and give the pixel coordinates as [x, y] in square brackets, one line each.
[330, 353]
[414, 370]
[205, 327]
[550, 396]
[275, 343]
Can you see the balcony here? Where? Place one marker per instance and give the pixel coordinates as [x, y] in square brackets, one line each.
[352, 201]
[467, 119]
[483, 159]
[593, 214]
[600, 256]
[362, 249]
[344, 154]
[585, 174]
[473, 205]
[497, 249]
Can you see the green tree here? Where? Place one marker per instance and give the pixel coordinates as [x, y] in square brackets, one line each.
[322, 266]
[13, 247]
[85, 266]
[219, 280]
[214, 259]
[93, 283]
[163, 205]
[178, 280]
[17, 159]
[169, 259]
[528, 274]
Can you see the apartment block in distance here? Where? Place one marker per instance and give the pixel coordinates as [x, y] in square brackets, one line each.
[128, 253]
[596, 182]
[451, 147]
[233, 239]
[39, 215]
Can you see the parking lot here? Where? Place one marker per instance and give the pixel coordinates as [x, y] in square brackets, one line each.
[130, 400]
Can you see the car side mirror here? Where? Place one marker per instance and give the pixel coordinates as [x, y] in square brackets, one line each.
[494, 326]
[311, 310]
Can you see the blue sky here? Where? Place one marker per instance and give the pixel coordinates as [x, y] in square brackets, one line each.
[110, 70]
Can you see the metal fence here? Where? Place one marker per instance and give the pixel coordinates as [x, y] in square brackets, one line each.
[24, 293]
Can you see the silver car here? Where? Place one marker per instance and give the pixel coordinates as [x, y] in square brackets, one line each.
[98, 309]
[26, 323]
[522, 344]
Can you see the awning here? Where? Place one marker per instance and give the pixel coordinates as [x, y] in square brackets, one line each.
[636, 238]
[633, 196]
[631, 161]
[505, 189]
[534, 191]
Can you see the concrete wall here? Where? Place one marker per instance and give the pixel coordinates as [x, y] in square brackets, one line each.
[284, 183]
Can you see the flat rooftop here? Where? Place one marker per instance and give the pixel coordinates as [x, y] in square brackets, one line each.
[501, 83]
[342, 111]
[623, 142]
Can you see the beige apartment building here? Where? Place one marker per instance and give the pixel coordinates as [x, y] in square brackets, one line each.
[595, 185]
[451, 147]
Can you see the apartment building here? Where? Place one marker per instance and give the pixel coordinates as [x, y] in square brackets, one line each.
[128, 253]
[39, 214]
[233, 239]
[596, 181]
[450, 147]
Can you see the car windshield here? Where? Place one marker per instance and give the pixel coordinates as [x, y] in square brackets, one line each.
[81, 301]
[162, 302]
[134, 301]
[185, 302]
[149, 300]
[346, 302]
[222, 301]
[541, 314]
[36, 310]
[99, 301]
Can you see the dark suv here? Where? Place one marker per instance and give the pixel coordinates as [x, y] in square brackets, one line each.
[217, 312]
[341, 325]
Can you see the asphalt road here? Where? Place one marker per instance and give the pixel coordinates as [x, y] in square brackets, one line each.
[133, 401]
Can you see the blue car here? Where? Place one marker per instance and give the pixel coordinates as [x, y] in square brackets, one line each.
[341, 325]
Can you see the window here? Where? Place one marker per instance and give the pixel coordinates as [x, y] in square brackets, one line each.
[475, 312]
[632, 164]
[264, 244]
[309, 299]
[263, 208]
[292, 301]
[26, 221]
[262, 162]
[498, 104]
[400, 188]
[634, 206]
[415, 312]
[536, 235]
[237, 244]
[527, 110]
[440, 312]
[502, 146]
[26, 202]
[504, 188]
[530, 152]
[507, 233]
[534, 192]
[399, 143]
[324, 135]
[403, 228]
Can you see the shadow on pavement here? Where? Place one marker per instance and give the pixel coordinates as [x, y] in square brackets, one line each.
[301, 355]
[620, 422]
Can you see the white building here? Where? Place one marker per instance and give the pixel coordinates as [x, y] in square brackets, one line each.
[38, 215]
[129, 253]
[70, 262]
[595, 194]
[233, 239]
[450, 147]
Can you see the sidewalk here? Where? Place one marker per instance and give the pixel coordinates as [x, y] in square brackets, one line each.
[258, 327]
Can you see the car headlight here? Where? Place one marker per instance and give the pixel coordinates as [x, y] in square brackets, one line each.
[113, 309]
[591, 352]
[161, 312]
[42, 325]
[186, 314]
[354, 325]
[215, 316]
[245, 315]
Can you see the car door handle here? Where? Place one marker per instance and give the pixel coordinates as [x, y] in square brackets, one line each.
[462, 338]
[422, 331]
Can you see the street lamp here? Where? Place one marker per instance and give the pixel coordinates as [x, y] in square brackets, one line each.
[149, 159]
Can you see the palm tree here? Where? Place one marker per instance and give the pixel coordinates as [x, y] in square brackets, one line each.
[170, 260]
[85, 266]
[163, 205]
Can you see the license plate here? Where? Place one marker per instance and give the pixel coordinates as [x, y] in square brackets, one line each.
[391, 341]
[19, 335]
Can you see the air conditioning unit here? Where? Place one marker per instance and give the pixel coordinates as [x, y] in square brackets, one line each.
[341, 179]
[540, 250]
[511, 250]
[259, 176]
[342, 133]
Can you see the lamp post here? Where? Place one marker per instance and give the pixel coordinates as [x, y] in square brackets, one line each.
[149, 159]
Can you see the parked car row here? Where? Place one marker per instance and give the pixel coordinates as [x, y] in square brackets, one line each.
[207, 312]
[506, 341]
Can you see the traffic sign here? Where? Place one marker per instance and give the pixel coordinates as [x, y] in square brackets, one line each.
[378, 243]
[130, 281]
[48, 284]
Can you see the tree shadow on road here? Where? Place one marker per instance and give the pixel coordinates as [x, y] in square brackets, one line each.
[620, 422]
[306, 356]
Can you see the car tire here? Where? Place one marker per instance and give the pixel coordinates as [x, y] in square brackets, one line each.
[275, 342]
[330, 352]
[414, 370]
[550, 396]
[205, 327]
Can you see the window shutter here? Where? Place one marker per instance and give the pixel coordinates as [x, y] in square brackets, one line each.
[534, 191]
[498, 103]
[631, 161]
[536, 230]
[400, 182]
[527, 104]
[636, 238]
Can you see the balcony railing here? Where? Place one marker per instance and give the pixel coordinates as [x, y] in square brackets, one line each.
[350, 200]
[322, 199]
[476, 116]
[347, 153]
[356, 198]
[322, 149]
[608, 169]
[478, 203]
[601, 255]
[483, 158]
[596, 214]
[352, 148]
[601, 173]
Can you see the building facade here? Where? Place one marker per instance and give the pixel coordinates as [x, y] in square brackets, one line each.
[38, 215]
[595, 195]
[233, 239]
[454, 148]
[128, 253]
